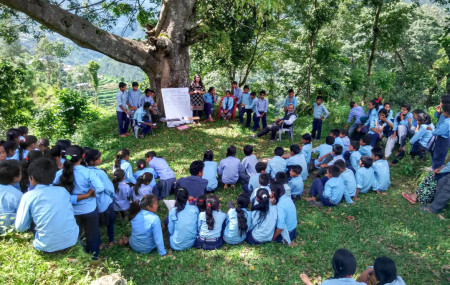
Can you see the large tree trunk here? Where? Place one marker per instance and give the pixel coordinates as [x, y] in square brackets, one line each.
[309, 70]
[164, 57]
[376, 32]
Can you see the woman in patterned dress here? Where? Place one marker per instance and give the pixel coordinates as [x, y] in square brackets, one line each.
[196, 90]
[427, 189]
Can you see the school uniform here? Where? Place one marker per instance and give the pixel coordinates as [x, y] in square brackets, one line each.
[355, 113]
[296, 184]
[298, 159]
[247, 101]
[166, 176]
[248, 168]
[210, 239]
[126, 167]
[262, 232]
[364, 179]
[287, 190]
[322, 150]
[122, 197]
[227, 104]
[255, 190]
[182, 227]
[286, 217]
[365, 150]
[403, 131]
[238, 97]
[319, 111]
[253, 183]
[355, 158]
[335, 158]
[330, 193]
[149, 99]
[262, 107]
[231, 233]
[9, 202]
[291, 101]
[209, 103]
[15, 155]
[442, 196]
[142, 191]
[122, 118]
[141, 116]
[134, 98]
[149, 170]
[349, 180]
[371, 115]
[146, 233]
[195, 185]
[338, 140]
[382, 177]
[346, 142]
[275, 165]
[342, 281]
[306, 151]
[105, 205]
[420, 140]
[397, 281]
[229, 169]
[210, 174]
[49, 208]
[442, 142]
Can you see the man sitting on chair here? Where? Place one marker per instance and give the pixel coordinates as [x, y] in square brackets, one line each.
[142, 117]
[288, 120]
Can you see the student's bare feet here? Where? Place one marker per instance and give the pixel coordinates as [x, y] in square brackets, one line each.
[355, 198]
[225, 186]
[111, 244]
[305, 279]
[232, 186]
[310, 199]
[409, 198]
[381, 193]
[124, 135]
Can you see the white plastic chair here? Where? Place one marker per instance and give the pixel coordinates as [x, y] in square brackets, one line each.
[288, 130]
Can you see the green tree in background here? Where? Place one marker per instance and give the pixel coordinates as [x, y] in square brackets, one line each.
[93, 68]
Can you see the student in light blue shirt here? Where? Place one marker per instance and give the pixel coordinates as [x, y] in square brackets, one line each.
[238, 221]
[11, 150]
[142, 168]
[329, 194]
[121, 109]
[122, 158]
[297, 159]
[296, 182]
[290, 100]
[382, 177]
[372, 112]
[442, 134]
[349, 180]
[364, 145]
[227, 105]
[402, 129]
[79, 181]
[355, 156]
[262, 106]
[239, 97]
[356, 113]
[134, 97]
[277, 163]
[319, 114]
[210, 224]
[323, 150]
[247, 106]
[146, 232]
[105, 205]
[183, 219]
[263, 182]
[49, 208]
[229, 168]
[421, 138]
[264, 219]
[210, 171]
[143, 119]
[286, 213]
[253, 182]
[122, 192]
[335, 133]
[142, 187]
[9, 195]
[210, 99]
[343, 135]
[166, 175]
[335, 156]
[364, 176]
[306, 147]
[248, 165]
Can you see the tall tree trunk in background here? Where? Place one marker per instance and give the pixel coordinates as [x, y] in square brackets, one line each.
[376, 31]
[164, 56]
[447, 86]
[310, 54]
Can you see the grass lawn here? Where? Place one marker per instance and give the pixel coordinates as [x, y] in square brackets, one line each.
[377, 225]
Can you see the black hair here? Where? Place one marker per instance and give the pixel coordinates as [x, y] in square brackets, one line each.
[248, 150]
[234, 82]
[145, 179]
[367, 139]
[212, 204]
[24, 165]
[446, 108]
[246, 87]
[142, 204]
[406, 106]
[352, 104]
[181, 198]
[120, 155]
[281, 177]
[367, 161]
[43, 142]
[231, 151]
[295, 148]
[63, 144]
[253, 93]
[329, 140]
[375, 103]
[445, 99]
[424, 118]
[277, 189]
[355, 144]
[344, 263]
[307, 137]
[12, 134]
[334, 170]
[73, 155]
[264, 179]
[262, 92]
[196, 167]
[418, 111]
[42, 170]
[297, 168]
[10, 147]
[134, 84]
[9, 169]
[141, 164]
[91, 155]
[201, 203]
[147, 91]
[290, 90]
[227, 92]
[343, 132]
[211, 89]
[383, 111]
[55, 152]
[242, 203]
[385, 270]
[338, 149]
[260, 166]
[22, 130]
[340, 163]
[122, 84]
[118, 176]
[335, 132]
[147, 105]
[279, 151]
[262, 194]
[319, 98]
[378, 152]
[208, 155]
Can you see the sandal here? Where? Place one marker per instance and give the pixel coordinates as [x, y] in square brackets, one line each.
[424, 209]
[406, 196]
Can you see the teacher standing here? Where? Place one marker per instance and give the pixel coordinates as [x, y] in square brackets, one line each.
[196, 90]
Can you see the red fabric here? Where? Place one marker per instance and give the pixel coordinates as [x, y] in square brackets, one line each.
[234, 107]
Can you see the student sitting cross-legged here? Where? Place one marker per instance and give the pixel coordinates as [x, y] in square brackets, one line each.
[194, 184]
[382, 176]
[306, 148]
[349, 180]
[248, 165]
[277, 163]
[9, 195]
[210, 171]
[238, 221]
[296, 182]
[253, 182]
[263, 182]
[286, 213]
[229, 168]
[49, 208]
[323, 150]
[364, 176]
[264, 219]
[335, 156]
[210, 224]
[297, 158]
[330, 191]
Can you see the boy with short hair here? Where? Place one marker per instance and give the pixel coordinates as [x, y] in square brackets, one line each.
[364, 176]
[306, 147]
[247, 106]
[349, 180]
[277, 163]
[343, 134]
[142, 118]
[365, 147]
[323, 150]
[281, 177]
[330, 160]
[335, 133]
[253, 182]
[9, 195]
[134, 99]
[194, 184]
[248, 165]
[356, 113]
[296, 182]
[320, 113]
[153, 110]
[297, 159]
[261, 106]
[329, 194]
[226, 109]
[355, 156]
[382, 176]
[264, 182]
[121, 110]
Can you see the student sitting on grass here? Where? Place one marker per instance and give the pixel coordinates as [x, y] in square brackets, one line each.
[263, 182]
[9, 195]
[296, 182]
[384, 271]
[182, 222]
[323, 150]
[348, 178]
[336, 134]
[364, 176]
[353, 156]
[210, 171]
[329, 194]
[210, 224]
[286, 213]
[382, 177]
[238, 221]
[306, 148]
[146, 232]
[166, 175]
[142, 187]
[248, 165]
[122, 162]
[122, 193]
[141, 166]
[253, 183]
[277, 163]
[343, 135]
[229, 168]
[194, 184]
[335, 156]
[49, 208]
[264, 219]
[364, 145]
[281, 178]
[297, 158]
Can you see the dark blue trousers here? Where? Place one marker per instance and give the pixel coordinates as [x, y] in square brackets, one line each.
[249, 117]
[89, 224]
[292, 236]
[440, 151]
[122, 121]
[317, 188]
[250, 239]
[316, 127]
[108, 218]
[208, 244]
[256, 121]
